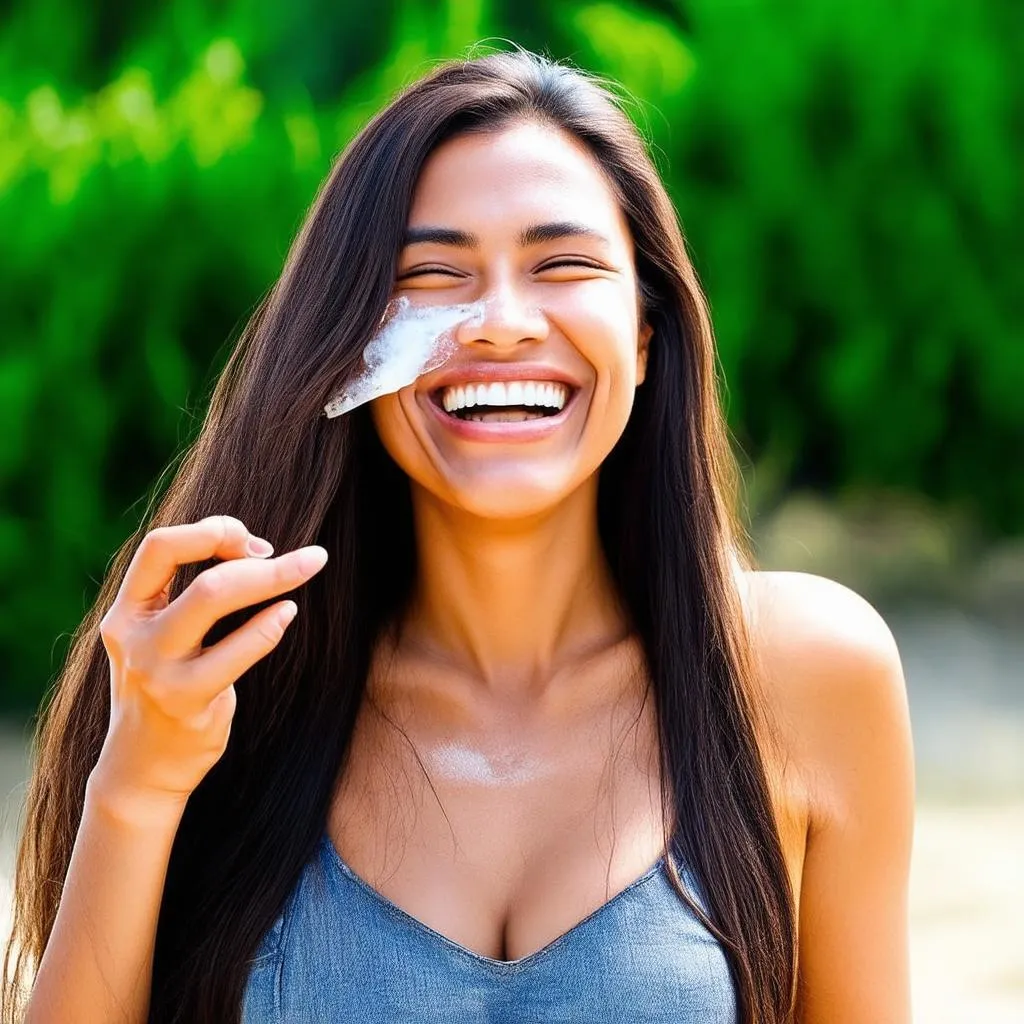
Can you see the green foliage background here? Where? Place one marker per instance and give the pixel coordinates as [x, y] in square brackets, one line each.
[848, 177]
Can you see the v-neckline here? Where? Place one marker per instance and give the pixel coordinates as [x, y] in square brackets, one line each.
[507, 965]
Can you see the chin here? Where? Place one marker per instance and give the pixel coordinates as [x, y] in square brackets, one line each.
[509, 498]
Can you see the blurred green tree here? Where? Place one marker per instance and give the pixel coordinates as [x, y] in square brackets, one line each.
[848, 177]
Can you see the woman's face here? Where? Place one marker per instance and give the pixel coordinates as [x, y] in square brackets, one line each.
[561, 306]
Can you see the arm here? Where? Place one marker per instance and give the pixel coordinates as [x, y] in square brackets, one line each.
[172, 703]
[853, 926]
[98, 962]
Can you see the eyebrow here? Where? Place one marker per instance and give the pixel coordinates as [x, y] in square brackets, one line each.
[533, 235]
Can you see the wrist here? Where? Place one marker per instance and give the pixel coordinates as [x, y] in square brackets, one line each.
[129, 807]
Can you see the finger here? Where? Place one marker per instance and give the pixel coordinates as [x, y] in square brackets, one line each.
[229, 587]
[224, 662]
[165, 548]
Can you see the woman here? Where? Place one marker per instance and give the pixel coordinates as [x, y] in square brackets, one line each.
[537, 658]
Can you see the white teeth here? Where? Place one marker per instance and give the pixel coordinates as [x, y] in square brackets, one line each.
[498, 393]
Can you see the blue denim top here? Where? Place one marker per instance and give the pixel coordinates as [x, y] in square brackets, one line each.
[342, 953]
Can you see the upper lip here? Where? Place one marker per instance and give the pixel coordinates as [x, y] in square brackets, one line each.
[487, 372]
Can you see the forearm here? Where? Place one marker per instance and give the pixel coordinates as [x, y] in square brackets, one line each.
[98, 962]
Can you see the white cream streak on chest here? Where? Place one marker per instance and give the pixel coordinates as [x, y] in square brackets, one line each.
[456, 762]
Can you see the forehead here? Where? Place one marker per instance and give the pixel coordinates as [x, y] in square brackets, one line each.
[522, 174]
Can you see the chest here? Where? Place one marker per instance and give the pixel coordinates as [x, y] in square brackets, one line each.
[502, 831]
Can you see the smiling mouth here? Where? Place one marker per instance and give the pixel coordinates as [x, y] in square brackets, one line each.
[501, 413]
[505, 414]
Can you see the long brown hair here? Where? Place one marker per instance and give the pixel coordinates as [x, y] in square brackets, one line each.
[266, 454]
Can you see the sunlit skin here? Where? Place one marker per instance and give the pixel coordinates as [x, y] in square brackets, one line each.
[512, 580]
[513, 594]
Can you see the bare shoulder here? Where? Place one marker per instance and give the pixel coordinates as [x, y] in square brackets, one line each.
[802, 611]
[833, 675]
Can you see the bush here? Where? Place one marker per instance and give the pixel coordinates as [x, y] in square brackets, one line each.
[847, 176]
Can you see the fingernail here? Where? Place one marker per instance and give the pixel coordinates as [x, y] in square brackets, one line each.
[259, 547]
[312, 559]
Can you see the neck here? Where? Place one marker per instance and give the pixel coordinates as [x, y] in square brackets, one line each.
[510, 603]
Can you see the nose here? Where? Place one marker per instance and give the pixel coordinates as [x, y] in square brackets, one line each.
[507, 320]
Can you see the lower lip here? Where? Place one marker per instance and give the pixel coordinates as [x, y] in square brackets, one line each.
[523, 430]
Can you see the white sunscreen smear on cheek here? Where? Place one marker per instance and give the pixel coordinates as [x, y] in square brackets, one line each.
[412, 340]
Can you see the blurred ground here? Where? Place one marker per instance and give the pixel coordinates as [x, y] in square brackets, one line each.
[967, 881]
[955, 603]
[964, 677]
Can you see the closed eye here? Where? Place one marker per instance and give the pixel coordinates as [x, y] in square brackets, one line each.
[427, 270]
[570, 263]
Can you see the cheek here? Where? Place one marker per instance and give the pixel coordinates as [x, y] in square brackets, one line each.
[602, 323]
[611, 350]
[392, 428]
[405, 437]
